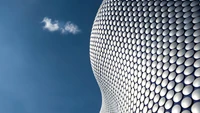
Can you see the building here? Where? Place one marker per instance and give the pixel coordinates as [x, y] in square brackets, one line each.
[145, 55]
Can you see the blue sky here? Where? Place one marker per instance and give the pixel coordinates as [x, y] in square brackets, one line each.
[44, 71]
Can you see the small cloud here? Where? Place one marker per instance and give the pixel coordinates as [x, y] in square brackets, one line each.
[69, 27]
[49, 25]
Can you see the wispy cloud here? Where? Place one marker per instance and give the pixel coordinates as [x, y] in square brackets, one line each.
[49, 25]
[70, 28]
[52, 26]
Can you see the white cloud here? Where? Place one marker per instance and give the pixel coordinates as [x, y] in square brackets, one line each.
[51, 26]
[69, 27]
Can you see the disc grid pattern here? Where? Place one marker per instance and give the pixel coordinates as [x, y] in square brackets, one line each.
[145, 55]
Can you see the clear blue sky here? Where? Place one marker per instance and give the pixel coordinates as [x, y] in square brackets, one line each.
[43, 71]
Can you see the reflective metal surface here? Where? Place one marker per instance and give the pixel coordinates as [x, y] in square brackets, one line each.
[145, 55]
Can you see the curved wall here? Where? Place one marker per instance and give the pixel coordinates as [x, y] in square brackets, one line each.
[145, 55]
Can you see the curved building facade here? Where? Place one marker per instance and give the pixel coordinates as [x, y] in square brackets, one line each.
[145, 55]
